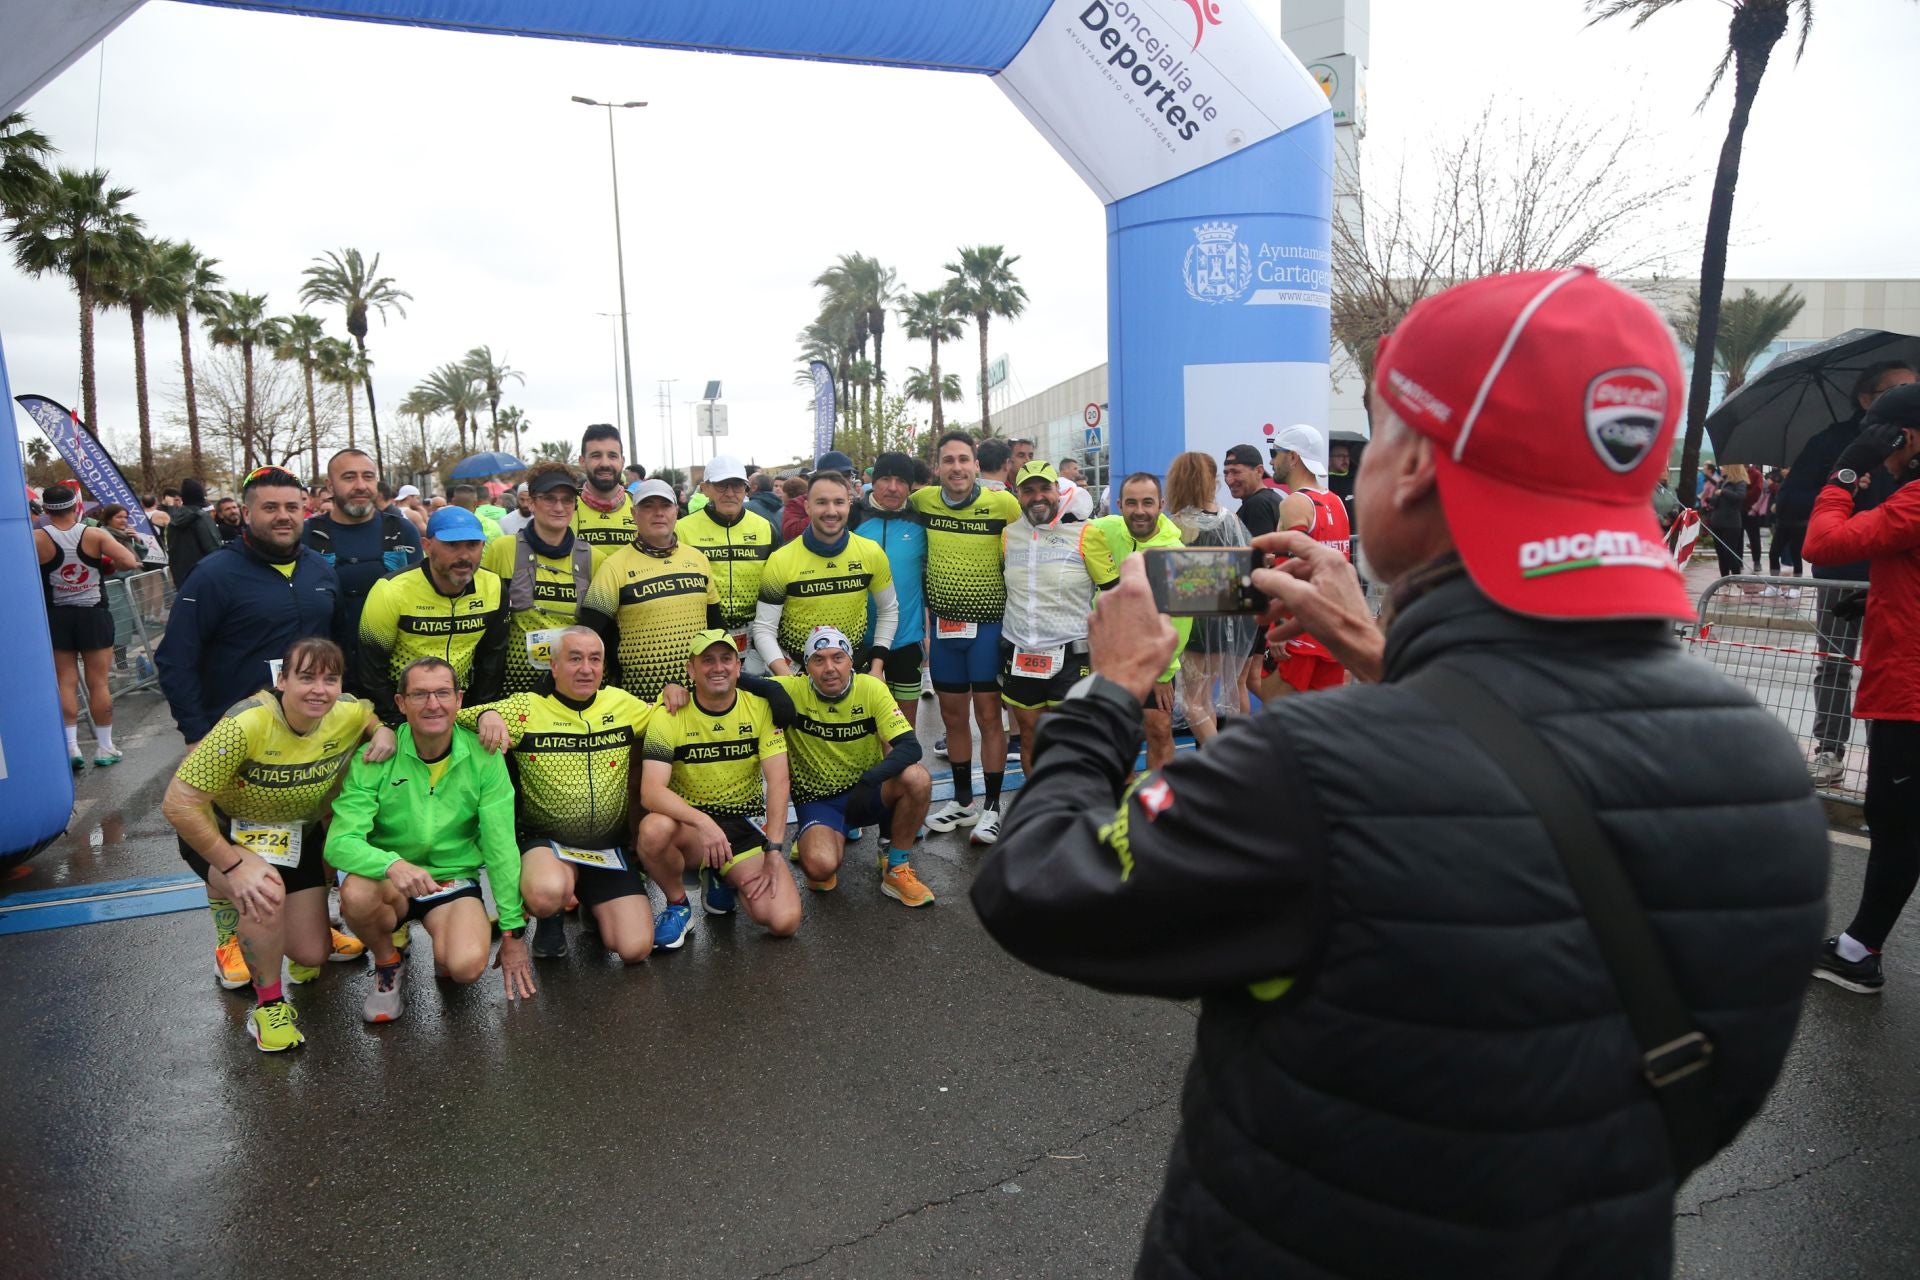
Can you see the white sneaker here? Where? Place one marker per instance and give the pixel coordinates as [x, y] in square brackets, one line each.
[1793, 593]
[1826, 769]
[1771, 591]
[987, 829]
[926, 684]
[953, 814]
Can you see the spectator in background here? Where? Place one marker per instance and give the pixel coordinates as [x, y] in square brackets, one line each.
[1022, 454]
[1776, 480]
[764, 501]
[793, 514]
[407, 503]
[996, 461]
[1726, 506]
[1246, 480]
[227, 521]
[193, 533]
[74, 561]
[521, 515]
[157, 516]
[1759, 507]
[1210, 683]
[632, 474]
[468, 496]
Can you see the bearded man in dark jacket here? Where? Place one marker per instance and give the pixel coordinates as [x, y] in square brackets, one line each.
[1413, 1058]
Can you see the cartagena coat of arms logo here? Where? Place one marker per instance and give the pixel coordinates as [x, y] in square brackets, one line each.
[1217, 267]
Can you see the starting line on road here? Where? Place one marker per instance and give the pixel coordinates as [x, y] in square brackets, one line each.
[63, 908]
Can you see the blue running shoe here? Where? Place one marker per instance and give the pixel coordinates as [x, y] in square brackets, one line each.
[854, 834]
[716, 895]
[671, 929]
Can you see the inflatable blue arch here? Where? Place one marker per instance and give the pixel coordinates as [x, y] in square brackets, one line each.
[1208, 142]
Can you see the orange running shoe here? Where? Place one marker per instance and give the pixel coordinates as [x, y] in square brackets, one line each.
[823, 886]
[231, 965]
[346, 947]
[904, 887]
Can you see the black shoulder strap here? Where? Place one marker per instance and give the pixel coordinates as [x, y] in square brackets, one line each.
[1676, 1055]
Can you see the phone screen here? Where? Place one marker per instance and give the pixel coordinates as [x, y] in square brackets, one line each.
[1194, 581]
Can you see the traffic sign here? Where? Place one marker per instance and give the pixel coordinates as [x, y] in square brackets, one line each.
[1093, 437]
[1092, 415]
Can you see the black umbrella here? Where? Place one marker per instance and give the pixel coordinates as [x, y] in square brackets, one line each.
[1769, 420]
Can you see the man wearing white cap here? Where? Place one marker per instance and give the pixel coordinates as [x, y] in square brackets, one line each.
[1300, 462]
[407, 503]
[736, 542]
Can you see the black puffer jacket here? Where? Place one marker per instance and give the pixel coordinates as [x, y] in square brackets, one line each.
[1446, 1086]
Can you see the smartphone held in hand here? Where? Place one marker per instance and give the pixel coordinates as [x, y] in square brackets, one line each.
[1195, 582]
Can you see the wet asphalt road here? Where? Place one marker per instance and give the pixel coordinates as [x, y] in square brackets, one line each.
[885, 1095]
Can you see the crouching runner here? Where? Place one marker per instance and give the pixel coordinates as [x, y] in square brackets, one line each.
[247, 802]
[412, 833]
[710, 769]
[855, 761]
[568, 746]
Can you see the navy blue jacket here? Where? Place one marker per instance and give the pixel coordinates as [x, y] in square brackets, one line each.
[234, 613]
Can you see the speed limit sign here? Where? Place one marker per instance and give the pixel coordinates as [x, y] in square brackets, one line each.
[1092, 415]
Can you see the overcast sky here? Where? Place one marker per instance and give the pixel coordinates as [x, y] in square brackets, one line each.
[459, 159]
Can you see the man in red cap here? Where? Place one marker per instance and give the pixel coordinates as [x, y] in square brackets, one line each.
[1501, 977]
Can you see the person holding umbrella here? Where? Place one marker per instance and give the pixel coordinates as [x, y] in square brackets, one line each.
[1886, 455]
[1839, 635]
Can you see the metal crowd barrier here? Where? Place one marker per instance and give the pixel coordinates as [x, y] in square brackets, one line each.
[1781, 638]
[140, 604]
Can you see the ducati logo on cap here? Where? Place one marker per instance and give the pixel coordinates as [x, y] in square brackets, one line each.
[1623, 412]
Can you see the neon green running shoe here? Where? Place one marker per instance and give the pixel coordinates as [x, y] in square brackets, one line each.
[301, 974]
[271, 1026]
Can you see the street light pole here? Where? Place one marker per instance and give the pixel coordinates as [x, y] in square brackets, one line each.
[620, 263]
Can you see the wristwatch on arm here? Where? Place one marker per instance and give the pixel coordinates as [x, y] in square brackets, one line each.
[1100, 689]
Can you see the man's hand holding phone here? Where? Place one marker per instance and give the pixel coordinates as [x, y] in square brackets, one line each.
[1314, 590]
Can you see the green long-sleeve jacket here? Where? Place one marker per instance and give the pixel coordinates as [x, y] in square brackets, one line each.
[390, 810]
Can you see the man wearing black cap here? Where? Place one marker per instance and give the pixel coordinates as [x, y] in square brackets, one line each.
[901, 534]
[1259, 505]
[191, 534]
[546, 569]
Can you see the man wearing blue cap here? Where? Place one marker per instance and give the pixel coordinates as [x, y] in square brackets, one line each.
[447, 607]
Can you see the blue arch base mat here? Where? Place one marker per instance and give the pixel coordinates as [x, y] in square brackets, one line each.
[162, 895]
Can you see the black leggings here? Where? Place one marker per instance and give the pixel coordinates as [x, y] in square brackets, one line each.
[1726, 543]
[1751, 523]
[1893, 811]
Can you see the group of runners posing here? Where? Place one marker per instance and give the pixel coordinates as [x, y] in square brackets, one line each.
[611, 694]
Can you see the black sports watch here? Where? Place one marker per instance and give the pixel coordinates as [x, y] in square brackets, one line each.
[516, 933]
[1099, 688]
[1846, 476]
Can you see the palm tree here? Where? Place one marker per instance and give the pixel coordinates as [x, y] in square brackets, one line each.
[514, 420]
[1748, 326]
[920, 386]
[193, 290]
[492, 374]
[241, 321]
[142, 280]
[39, 452]
[77, 226]
[460, 395]
[1754, 29]
[557, 450]
[421, 404]
[297, 338]
[934, 315]
[984, 284]
[22, 173]
[346, 280]
[338, 365]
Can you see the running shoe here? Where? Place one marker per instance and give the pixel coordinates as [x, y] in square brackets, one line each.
[1013, 747]
[900, 884]
[987, 830]
[824, 886]
[402, 937]
[1826, 768]
[272, 1029]
[346, 947]
[384, 1003]
[671, 929]
[301, 974]
[926, 684]
[940, 746]
[716, 895]
[231, 965]
[550, 936]
[952, 814]
[78, 762]
[854, 834]
[105, 758]
[1860, 976]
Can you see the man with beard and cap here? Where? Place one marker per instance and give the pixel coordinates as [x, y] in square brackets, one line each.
[736, 542]
[547, 571]
[647, 599]
[901, 534]
[1300, 460]
[1246, 481]
[242, 609]
[1043, 642]
[604, 517]
[448, 608]
[1500, 980]
[406, 502]
[362, 542]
